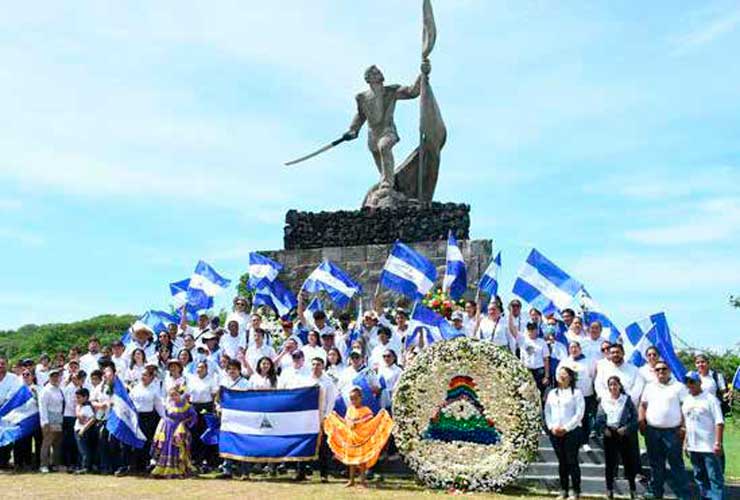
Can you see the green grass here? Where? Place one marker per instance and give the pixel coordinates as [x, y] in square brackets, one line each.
[50, 486]
[732, 448]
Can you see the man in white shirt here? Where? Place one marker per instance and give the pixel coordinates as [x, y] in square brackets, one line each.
[296, 375]
[591, 343]
[661, 421]
[628, 374]
[42, 370]
[712, 382]
[401, 328]
[516, 321]
[234, 339]
[234, 380]
[328, 395]
[535, 356]
[471, 312]
[376, 356]
[704, 429]
[89, 361]
[51, 416]
[118, 358]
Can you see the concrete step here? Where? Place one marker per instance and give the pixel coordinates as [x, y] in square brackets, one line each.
[551, 469]
[596, 456]
[590, 486]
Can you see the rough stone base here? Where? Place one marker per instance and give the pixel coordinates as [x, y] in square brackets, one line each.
[365, 262]
[369, 226]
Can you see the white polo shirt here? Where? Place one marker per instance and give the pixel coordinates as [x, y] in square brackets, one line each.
[664, 404]
[702, 414]
[532, 351]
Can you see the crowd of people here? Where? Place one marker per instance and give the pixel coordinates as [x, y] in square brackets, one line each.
[588, 389]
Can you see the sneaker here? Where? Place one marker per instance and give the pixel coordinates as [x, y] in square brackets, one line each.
[575, 496]
[586, 448]
[44, 470]
[563, 495]
[81, 471]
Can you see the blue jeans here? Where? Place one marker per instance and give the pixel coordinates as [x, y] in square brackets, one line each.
[83, 447]
[708, 475]
[664, 445]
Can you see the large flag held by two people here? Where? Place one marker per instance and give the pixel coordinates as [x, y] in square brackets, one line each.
[19, 416]
[270, 426]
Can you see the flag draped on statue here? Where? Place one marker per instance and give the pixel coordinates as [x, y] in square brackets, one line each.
[456, 277]
[333, 280]
[19, 416]
[408, 272]
[270, 426]
[652, 331]
[544, 285]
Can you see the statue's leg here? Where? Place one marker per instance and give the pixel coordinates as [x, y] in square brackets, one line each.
[385, 145]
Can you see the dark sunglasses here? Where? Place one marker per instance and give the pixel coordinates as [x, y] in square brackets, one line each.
[661, 369]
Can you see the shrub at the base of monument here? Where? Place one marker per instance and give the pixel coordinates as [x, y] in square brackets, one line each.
[467, 413]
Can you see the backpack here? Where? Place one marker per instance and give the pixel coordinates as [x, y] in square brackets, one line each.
[723, 403]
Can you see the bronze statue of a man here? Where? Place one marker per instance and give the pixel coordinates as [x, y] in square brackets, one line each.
[376, 106]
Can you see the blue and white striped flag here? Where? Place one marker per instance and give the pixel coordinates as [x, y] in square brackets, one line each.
[369, 398]
[205, 283]
[489, 280]
[592, 311]
[736, 379]
[432, 324]
[156, 321]
[408, 272]
[330, 278]
[544, 285]
[456, 277]
[270, 426]
[179, 291]
[262, 270]
[277, 296]
[123, 421]
[19, 416]
[652, 331]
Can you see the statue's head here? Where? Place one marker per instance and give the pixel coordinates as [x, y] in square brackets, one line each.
[374, 75]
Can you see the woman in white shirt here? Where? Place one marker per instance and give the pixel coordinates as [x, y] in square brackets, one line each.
[334, 364]
[617, 419]
[388, 374]
[70, 457]
[23, 457]
[265, 378]
[147, 400]
[564, 408]
[535, 356]
[174, 376]
[202, 388]
[136, 367]
[585, 371]
[494, 327]
[648, 369]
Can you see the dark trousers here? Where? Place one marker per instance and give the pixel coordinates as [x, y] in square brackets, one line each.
[105, 450]
[5, 455]
[202, 452]
[139, 458]
[24, 456]
[665, 445]
[324, 456]
[588, 416]
[625, 447]
[69, 446]
[538, 374]
[84, 449]
[708, 475]
[566, 449]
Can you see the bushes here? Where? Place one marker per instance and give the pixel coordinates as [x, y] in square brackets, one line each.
[30, 341]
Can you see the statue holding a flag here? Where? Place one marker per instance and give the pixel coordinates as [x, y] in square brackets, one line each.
[413, 181]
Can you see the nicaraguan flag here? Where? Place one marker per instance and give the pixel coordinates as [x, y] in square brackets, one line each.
[489, 281]
[334, 281]
[456, 277]
[19, 416]
[277, 296]
[736, 379]
[408, 272]
[369, 398]
[156, 321]
[652, 331]
[270, 426]
[592, 311]
[123, 421]
[431, 324]
[262, 270]
[544, 285]
[205, 283]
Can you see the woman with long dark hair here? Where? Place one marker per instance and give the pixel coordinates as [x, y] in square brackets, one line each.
[202, 389]
[265, 376]
[564, 408]
[616, 418]
[147, 398]
[136, 367]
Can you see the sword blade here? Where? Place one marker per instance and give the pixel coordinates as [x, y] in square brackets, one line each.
[315, 153]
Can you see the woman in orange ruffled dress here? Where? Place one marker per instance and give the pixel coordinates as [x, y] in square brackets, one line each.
[359, 437]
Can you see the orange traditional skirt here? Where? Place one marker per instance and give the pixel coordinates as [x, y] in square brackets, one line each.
[358, 438]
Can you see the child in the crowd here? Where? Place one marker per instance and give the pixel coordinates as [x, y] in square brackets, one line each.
[358, 439]
[85, 419]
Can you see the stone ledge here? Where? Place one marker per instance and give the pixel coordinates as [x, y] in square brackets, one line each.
[352, 228]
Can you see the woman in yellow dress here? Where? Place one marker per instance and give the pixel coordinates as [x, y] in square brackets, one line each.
[359, 437]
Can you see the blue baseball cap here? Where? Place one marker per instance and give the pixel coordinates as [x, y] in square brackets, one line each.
[693, 376]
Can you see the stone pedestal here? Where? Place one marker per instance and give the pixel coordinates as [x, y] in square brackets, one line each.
[365, 262]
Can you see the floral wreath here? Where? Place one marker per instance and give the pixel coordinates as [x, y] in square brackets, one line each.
[467, 416]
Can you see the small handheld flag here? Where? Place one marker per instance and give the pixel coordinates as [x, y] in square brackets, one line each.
[330, 278]
[408, 272]
[489, 280]
[456, 277]
[262, 270]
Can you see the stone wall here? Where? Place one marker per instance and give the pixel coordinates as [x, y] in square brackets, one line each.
[365, 262]
[367, 226]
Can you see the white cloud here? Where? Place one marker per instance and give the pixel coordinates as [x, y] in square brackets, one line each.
[707, 31]
[711, 221]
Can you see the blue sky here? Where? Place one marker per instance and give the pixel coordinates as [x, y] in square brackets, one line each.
[138, 138]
